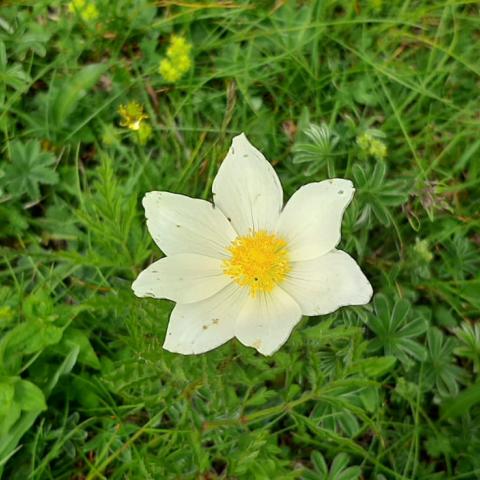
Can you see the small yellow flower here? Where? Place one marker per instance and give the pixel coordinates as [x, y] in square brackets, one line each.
[168, 71]
[76, 6]
[377, 149]
[87, 10]
[183, 63]
[363, 141]
[373, 146]
[132, 115]
[422, 249]
[178, 60]
[178, 47]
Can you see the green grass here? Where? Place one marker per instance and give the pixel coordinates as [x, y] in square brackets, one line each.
[386, 391]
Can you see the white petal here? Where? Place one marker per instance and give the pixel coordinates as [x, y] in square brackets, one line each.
[181, 224]
[201, 326]
[266, 320]
[311, 220]
[323, 284]
[247, 189]
[183, 278]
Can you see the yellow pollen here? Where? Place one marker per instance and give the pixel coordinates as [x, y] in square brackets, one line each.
[258, 261]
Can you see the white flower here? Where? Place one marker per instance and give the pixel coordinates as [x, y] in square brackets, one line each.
[247, 268]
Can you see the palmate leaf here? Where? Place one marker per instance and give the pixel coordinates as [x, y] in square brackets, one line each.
[440, 369]
[378, 193]
[315, 146]
[339, 469]
[395, 330]
[29, 168]
[12, 75]
[469, 347]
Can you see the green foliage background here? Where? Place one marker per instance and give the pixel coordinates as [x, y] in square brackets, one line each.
[386, 391]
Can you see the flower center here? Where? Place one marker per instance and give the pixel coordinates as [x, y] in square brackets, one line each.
[258, 261]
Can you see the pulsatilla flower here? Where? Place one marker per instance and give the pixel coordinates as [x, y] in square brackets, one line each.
[132, 115]
[245, 267]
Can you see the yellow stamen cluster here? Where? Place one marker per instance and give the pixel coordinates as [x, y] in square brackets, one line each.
[178, 60]
[258, 261]
[373, 146]
[86, 9]
[132, 115]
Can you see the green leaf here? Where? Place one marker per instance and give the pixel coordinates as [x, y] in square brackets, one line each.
[29, 397]
[462, 403]
[440, 369]
[395, 331]
[29, 168]
[315, 145]
[319, 463]
[75, 337]
[359, 174]
[374, 366]
[65, 367]
[8, 420]
[400, 312]
[260, 397]
[7, 392]
[382, 306]
[73, 90]
[26, 339]
[3, 56]
[412, 348]
[340, 462]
